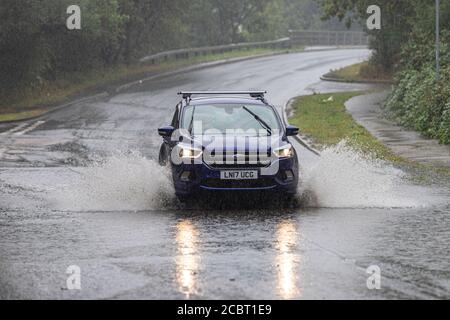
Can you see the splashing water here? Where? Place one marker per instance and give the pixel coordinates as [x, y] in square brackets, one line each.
[121, 182]
[344, 178]
[341, 178]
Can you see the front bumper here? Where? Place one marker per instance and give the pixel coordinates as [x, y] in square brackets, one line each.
[281, 176]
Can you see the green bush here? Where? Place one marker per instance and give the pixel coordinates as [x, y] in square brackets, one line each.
[418, 101]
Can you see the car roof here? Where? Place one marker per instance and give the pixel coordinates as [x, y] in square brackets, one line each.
[226, 100]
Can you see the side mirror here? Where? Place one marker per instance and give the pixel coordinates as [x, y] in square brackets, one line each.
[166, 132]
[292, 131]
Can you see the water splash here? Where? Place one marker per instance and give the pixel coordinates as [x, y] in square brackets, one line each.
[341, 178]
[125, 182]
[345, 178]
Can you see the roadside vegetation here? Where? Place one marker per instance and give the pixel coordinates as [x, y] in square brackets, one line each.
[21, 115]
[405, 47]
[418, 100]
[324, 119]
[360, 72]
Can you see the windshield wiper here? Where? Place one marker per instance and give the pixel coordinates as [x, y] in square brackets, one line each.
[261, 121]
[191, 124]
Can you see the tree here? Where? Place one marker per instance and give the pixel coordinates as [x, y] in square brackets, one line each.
[396, 24]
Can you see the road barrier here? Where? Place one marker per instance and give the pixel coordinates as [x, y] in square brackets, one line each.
[329, 38]
[299, 38]
[194, 52]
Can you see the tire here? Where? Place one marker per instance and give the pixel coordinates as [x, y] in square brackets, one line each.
[289, 200]
[183, 198]
[163, 156]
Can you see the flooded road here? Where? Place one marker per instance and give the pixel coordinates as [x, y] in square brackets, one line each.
[80, 187]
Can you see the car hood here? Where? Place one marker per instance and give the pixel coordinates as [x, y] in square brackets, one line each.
[237, 143]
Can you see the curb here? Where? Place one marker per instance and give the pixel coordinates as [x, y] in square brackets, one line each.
[298, 138]
[333, 79]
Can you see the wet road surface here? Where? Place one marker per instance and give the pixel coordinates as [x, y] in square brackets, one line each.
[80, 187]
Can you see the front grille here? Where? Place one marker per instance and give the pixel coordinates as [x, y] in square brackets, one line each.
[238, 165]
[239, 184]
[239, 160]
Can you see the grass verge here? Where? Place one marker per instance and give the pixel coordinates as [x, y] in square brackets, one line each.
[326, 122]
[360, 72]
[5, 117]
[29, 102]
[324, 119]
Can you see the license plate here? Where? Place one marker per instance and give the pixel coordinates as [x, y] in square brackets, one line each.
[238, 175]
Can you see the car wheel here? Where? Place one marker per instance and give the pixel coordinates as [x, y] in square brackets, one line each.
[163, 156]
[183, 198]
[289, 200]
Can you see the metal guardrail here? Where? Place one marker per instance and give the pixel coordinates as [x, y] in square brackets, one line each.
[194, 52]
[304, 38]
[329, 38]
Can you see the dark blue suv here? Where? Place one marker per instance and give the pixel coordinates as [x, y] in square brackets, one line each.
[229, 142]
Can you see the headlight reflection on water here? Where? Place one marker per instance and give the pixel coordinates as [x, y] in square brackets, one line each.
[188, 259]
[287, 260]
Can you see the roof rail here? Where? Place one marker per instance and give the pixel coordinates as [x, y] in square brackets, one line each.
[253, 94]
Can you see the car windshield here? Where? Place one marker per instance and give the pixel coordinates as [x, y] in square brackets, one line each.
[248, 120]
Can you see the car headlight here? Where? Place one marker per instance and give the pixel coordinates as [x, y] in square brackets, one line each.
[188, 152]
[286, 151]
